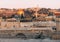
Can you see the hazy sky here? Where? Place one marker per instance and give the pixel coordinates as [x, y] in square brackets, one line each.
[29, 3]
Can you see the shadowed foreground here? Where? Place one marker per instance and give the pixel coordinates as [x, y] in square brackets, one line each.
[28, 40]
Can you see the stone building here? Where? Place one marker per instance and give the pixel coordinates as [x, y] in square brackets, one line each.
[57, 20]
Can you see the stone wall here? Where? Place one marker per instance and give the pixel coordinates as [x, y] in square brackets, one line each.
[10, 25]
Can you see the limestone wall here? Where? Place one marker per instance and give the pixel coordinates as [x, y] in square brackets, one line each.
[10, 25]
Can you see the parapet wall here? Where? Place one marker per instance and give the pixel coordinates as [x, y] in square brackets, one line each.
[26, 24]
[9, 24]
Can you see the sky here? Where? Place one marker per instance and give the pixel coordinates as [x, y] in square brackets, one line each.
[29, 3]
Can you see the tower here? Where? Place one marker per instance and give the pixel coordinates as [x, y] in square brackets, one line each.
[58, 24]
[36, 10]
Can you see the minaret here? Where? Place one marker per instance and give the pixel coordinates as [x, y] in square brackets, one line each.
[37, 8]
[36, 14]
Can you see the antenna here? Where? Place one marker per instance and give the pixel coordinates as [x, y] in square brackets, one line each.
[37, 5]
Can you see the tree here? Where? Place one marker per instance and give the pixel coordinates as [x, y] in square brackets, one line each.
[50, 14]
[15, 16]
[43, 10]
[40, 36]
[29, 12]
[4, 17]
[22, 17]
